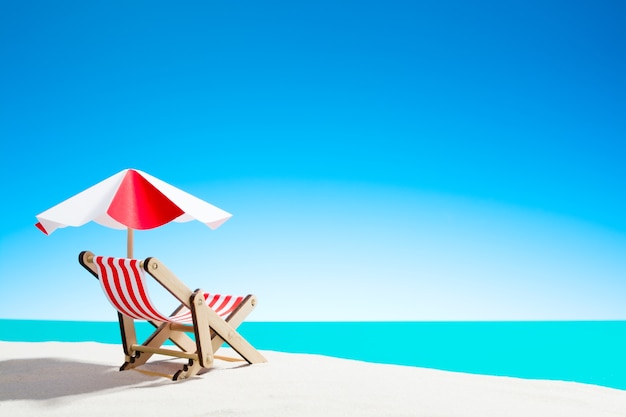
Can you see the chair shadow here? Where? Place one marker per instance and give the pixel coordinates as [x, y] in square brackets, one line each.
[48, 378]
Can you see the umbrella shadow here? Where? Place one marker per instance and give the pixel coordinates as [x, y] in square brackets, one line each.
[48, 378]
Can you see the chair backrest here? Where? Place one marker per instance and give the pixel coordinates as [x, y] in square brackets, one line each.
[124, 284]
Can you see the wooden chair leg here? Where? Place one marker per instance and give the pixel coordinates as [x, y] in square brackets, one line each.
[187, 371]
[129, 337]
[225, 332]
[202, 330]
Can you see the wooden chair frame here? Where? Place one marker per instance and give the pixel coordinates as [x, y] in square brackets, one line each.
[209, 329]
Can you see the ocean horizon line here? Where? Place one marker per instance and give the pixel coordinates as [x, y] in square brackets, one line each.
[582, 320]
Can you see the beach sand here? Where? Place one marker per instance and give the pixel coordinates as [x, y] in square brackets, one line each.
[82, 379]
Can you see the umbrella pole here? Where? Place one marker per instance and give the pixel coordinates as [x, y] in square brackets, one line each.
[129, 243]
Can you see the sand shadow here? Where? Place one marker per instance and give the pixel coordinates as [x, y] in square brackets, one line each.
[48, 378]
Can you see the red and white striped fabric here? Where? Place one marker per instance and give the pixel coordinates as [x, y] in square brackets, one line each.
[124, 284]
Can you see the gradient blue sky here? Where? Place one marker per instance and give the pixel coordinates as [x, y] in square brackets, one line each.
[384, 160]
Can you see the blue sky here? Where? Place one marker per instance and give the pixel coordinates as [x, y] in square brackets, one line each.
[428, 160]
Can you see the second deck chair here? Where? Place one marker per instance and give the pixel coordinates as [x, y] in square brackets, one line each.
[211, 318]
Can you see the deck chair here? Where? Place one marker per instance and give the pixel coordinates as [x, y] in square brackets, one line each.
[211, 318]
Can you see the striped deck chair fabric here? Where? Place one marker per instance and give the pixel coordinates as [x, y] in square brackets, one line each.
[124, 284]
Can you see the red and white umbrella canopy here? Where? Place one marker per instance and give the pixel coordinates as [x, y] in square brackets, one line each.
[131, 199]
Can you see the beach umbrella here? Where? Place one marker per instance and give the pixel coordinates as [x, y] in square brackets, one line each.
[130, 199]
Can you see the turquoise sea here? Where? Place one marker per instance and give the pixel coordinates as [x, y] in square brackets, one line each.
[592, 352]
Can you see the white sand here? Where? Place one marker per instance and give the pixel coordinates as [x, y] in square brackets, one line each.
[81, 379]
